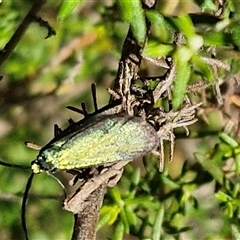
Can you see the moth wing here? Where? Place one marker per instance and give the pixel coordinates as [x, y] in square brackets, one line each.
[115, 138]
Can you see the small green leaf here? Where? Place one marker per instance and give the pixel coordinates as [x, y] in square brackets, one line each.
[119, 231]
[229, 140]
[222, 196]
[155, 17]
[169, 182]
[116, 195]
[136, 176]
[237, 164]
[109, 215]
[235, 35]
[204, 69]
[157, 225]
[131, 216]
[180, 84]
[156, 49]
[104, 220]
[132, 13]
[184, 24]
[208, 5]
[209, 166]
[217, 39]
[235, 190]
[124, 220]
[66, 8]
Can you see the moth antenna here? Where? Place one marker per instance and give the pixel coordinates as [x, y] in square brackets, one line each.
[75, 109]
[85, 113]
[60, 183]
[24, 203]
[33, 146]
[94, 96]
[57, 130]
[12, 165]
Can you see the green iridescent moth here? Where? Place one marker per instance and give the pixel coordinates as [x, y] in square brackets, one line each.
[101, 138]
[97, 140]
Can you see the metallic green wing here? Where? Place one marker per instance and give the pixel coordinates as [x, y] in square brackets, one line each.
[106, 139]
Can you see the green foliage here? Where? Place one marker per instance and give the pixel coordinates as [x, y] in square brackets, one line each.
[66, 8]
[156, 205]
[207, 5]
[213, 161]
[135, 18]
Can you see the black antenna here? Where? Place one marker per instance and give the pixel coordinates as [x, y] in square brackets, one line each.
[60, 183]
[24, 203]
[25, 196]
[12, 165]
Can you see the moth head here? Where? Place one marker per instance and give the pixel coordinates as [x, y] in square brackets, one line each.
[36, 167]
[40, 165]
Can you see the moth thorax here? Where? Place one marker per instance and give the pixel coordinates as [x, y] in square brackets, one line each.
[40, 165]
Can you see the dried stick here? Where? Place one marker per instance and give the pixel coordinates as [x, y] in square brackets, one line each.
[86, 220]
[9, 47]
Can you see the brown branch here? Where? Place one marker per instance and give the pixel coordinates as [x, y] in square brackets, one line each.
[85, 224]
[86, 203]
[9, 47]
[131, 52]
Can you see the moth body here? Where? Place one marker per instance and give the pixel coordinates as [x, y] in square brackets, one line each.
[97, 140]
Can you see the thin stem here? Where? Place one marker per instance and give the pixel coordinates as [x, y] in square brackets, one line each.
[10, 46]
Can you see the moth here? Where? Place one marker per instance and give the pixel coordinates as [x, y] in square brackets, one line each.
[101, 138]
[96, 140]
